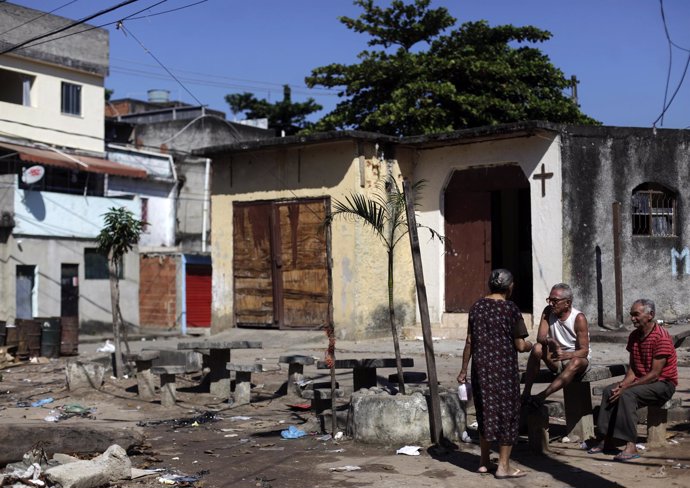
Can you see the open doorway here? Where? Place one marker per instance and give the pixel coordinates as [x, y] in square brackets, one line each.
[488, 225]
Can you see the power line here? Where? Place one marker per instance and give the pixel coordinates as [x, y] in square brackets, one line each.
[128, 32]
[671, 44]
[43, 14]
[69, 26]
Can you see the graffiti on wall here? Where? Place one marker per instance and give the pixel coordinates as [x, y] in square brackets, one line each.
[682, 256]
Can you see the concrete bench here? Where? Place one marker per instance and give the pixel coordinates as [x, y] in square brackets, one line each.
[296, 364]
[146, 386]
[657, 418]
[408, 377]
[219, 357]
[168, 386]
[577, 402]
[321, 398]
[364, 370]
[243, 381]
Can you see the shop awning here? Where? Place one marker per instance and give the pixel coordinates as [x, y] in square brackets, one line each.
[75, 162]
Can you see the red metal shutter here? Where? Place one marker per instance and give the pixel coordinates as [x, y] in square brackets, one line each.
[198, 300]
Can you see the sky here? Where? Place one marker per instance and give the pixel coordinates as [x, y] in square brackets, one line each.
[618, 49]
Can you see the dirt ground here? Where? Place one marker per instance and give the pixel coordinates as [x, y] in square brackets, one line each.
[241, 446]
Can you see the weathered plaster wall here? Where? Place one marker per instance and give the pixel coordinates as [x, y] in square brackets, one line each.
[603, 165]
[436, 165]
[333, 170]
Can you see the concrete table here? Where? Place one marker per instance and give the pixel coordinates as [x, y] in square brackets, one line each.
[364, 370]
[168, 386]
[296, 364]
[219, 357]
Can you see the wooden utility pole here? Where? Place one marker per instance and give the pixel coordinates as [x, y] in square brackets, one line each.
[617, 267]
[435, 412]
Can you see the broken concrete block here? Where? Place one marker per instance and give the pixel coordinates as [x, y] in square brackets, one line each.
[84, 375]
[111, 466]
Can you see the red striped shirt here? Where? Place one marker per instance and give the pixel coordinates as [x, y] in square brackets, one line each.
[644, 349]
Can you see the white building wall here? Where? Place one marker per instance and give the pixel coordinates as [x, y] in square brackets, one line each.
[43, 121]
[436, 166]
[50, 214]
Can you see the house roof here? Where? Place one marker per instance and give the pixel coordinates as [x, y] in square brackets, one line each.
[514, 129]
[77, 162]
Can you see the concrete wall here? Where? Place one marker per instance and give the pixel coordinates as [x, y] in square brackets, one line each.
[94, 295]
[436, 165]
[603, 165]
[190, 203]
[48, 214]
[43, 121]
[332, 169]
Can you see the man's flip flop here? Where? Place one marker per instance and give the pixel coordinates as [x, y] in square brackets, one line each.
[624, 457]
[518, 473]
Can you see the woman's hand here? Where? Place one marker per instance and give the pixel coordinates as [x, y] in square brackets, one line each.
[462, 377]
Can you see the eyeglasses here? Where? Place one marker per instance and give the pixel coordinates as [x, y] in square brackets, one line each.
[554, 301]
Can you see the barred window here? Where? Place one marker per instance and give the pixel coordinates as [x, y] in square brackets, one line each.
[654, 211]
[71, 99]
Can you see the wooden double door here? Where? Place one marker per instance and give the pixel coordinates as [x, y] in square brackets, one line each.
[281, 268]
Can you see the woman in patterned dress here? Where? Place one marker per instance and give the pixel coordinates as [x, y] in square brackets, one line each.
[495, 335]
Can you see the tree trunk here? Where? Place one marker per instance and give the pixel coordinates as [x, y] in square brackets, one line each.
[115, 303]
[394, 330]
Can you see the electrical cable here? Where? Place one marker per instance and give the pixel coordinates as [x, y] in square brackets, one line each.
[126, 31]
[69, 26]
[43, 14]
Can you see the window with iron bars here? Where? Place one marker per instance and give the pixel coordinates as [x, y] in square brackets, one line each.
[653, 211]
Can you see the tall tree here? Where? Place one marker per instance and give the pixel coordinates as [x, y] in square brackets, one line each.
[285, 115]
[425, 80]
[120, 232]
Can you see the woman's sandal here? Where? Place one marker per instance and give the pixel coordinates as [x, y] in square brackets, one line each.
[518, 473]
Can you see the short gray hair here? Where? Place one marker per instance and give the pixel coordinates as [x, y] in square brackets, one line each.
[648, 305]
[566, 291]
[500, 280]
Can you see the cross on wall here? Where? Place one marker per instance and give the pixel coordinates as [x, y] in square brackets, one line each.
[543, 176]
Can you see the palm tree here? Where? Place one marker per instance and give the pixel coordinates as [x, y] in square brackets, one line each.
[384, 213]
[120, 232]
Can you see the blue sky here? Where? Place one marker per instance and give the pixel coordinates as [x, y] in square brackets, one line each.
[616, 48]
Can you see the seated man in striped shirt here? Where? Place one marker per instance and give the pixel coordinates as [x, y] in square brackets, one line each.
[651, 380]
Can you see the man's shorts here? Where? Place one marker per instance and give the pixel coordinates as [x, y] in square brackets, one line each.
[561, 365]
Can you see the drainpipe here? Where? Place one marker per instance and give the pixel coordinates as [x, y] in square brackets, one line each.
[183, 289]
[204, 213]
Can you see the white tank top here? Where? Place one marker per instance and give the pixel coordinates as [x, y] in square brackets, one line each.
[564, 331]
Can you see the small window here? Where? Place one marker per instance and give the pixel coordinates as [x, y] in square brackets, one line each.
[96, 265]
[15, 87]
[653, 211]
[71, 99]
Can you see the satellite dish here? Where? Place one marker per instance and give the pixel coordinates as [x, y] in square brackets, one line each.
[33, 174]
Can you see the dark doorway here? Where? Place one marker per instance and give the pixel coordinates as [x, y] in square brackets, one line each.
[24, 295]
[488, 225]
[69, 290]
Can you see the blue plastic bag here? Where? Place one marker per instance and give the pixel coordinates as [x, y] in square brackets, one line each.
[40, 403]
[292, 432]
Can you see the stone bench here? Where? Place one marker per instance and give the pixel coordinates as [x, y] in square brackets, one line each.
[408, 377]
[243, 381]
[364, 370]
[219, 357]
[321, 398]
[296, 364]
[168, 386]
[146, 386]
[657, 419]
[577, 402]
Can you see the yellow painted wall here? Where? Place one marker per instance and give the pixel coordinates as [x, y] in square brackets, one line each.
[334, 169]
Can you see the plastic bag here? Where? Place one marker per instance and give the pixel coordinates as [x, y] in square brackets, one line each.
[465, 392]
[292, 432]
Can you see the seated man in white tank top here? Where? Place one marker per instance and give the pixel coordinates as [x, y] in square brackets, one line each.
[562, 343]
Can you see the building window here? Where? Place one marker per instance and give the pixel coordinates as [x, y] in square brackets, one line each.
[654, 211]
[15, 87]
[96, 265]
[71, 99]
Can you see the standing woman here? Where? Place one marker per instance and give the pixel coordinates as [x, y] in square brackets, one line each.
[495, 335]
